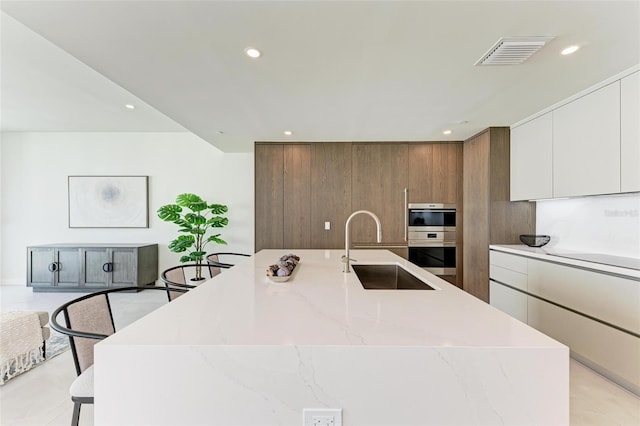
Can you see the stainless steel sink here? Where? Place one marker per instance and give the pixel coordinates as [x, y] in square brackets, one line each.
[388, 277]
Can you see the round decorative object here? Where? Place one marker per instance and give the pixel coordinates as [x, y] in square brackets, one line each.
[283, 270]
[535, 240]
[279, 279]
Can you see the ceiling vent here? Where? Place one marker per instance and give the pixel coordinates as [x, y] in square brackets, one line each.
[513, 50]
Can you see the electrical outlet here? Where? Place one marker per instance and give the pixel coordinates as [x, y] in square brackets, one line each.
[327, 226]
[323, 421]
[322, 417]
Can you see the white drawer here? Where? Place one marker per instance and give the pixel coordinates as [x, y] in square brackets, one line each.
[611, 299]
[614, 353]
[509, 277]
[508, 261]
[509, 301]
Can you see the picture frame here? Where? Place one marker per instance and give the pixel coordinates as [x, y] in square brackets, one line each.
[108, 201]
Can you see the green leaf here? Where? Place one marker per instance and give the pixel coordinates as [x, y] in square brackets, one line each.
[185, 200]
[218, 208]
[182, 243]
[198, 253]
[181, 222]
[216, 239]
[170, 212]
[189, 230]
[198, 206]
[218, 222]
[198, 231]
[195, 219]
[185, 259]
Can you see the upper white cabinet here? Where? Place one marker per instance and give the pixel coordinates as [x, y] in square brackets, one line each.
[630, 132]
[531, 165]
[586, 144]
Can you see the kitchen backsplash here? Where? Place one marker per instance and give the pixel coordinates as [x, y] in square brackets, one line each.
[603, 224]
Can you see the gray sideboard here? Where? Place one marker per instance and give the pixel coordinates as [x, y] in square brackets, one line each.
[90, 267]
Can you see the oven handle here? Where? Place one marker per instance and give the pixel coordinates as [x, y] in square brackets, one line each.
[431, 243]
[432, 210]
[406, 214]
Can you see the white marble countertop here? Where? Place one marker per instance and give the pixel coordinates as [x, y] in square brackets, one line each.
[321, 305]
[549, 255]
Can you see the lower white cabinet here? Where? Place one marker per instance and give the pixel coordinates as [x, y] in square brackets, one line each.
[80, 267]
[596, 314]
[611, 299]
[508, 300]
[613, 353]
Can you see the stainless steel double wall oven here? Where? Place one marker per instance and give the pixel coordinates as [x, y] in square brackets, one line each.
[432, 237]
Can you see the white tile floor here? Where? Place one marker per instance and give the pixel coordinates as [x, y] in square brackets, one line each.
[40, 397]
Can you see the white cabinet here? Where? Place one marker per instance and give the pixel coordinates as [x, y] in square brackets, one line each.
[586, 144]
[596, 314]
[531, 159]
[508, 300]
[508, 269]
[630, 133]
[508, 275]
[612, 352]
[611, 299]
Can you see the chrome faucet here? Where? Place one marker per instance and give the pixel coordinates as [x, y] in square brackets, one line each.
[345, 257]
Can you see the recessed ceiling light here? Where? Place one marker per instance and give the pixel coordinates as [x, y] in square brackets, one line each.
[446, 132]
[569, 50]
[129, 106]
[252, 52]
[287, 132]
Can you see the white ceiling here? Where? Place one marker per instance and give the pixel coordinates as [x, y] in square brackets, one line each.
[331, 71]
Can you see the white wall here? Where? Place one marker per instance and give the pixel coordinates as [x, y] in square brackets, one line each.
[33, 201]
[1, 192]
[603, 224]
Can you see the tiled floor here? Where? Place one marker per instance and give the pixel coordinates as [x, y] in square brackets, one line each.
[40, 397]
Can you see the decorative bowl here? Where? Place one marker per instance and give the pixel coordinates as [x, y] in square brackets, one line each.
[535, 240]
[290, 261]
[279, 279]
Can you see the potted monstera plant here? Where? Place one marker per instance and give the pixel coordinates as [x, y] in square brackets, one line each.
[196, 218]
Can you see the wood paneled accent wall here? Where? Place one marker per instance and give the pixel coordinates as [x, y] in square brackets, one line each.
[296, 228]
[300, 186]
[435, 173]
[489, 216]
[331, 192]
[269, 196]
[379, 177]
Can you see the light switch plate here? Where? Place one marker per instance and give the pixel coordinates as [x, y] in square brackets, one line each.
[327, 226]
[322, 417]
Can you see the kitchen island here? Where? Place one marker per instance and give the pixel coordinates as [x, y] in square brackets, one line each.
[242, 350]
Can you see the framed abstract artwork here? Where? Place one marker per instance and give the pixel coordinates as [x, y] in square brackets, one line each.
[108, 202]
